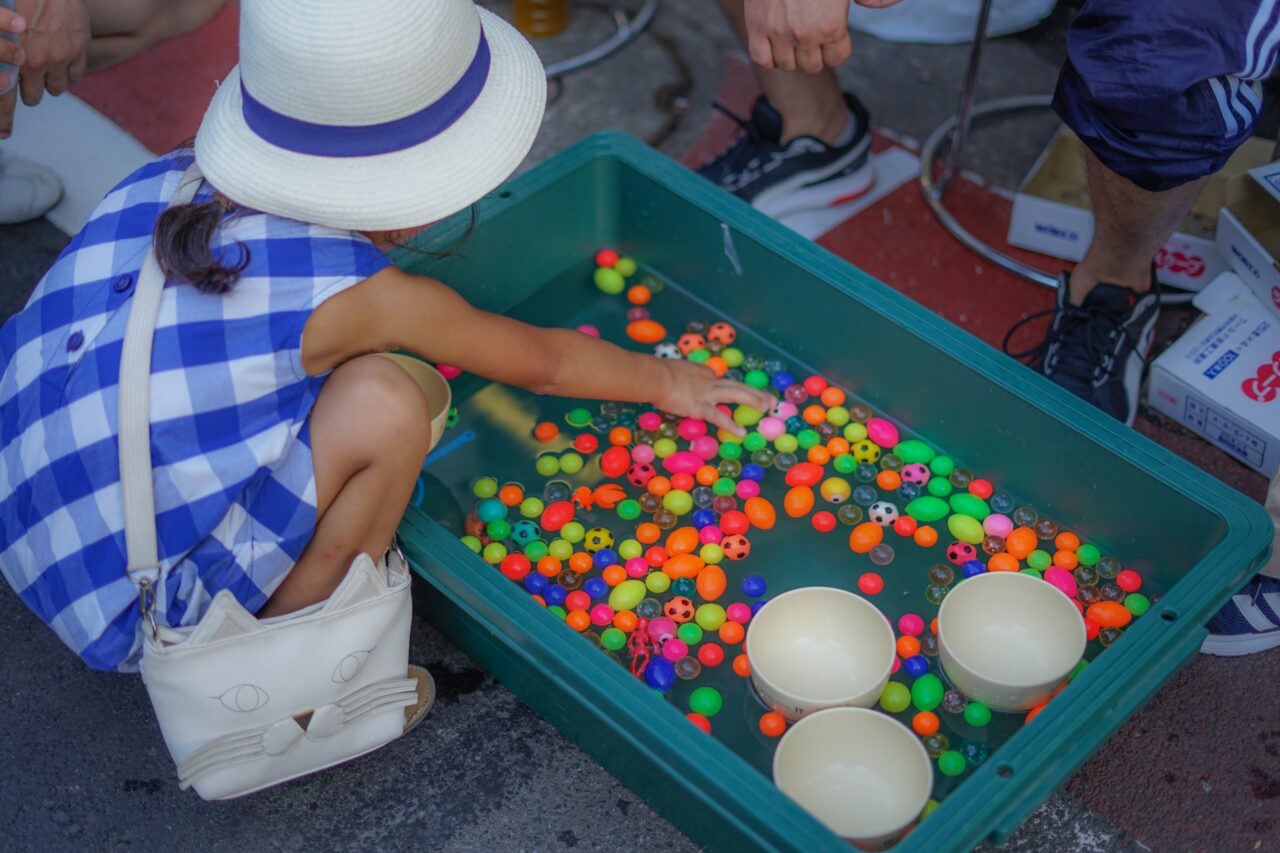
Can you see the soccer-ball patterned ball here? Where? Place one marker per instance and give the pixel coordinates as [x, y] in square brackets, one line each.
[597, 539]
[882, 513]
[666, 349]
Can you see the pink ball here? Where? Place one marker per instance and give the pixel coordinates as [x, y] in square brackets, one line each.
[897, 664]
[771, 428]
[911, 625]
[882, 432]
[448, 371]
[704, 447]
[643, 454]
[682, 462]
[1062, 579]
[637, 312]
[710, 535]
[588, 329]
[747, 489]
[674, 650]
[785, 410]
[738, 612]
[997, 525]
[662, 628]
[649, 421]
[601, 615]
[636, 567]
[691, 428]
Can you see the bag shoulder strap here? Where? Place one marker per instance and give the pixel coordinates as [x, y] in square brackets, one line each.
[136, 478]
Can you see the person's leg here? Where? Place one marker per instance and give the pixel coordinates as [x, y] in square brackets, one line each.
[124, 28]
[810, 104]
[370, 430]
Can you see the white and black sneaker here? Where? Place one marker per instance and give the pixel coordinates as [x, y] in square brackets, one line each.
[1097, 350]
[803, 174]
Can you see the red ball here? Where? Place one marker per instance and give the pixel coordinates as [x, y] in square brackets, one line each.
[815, 385]
[1091, 628]
[733, 522]
[655, 556]
[823, 522]
[870, 583]
[699, 721]
[614, 462]
[1129, 580]
[981, 488]
[683, 481]
[586, 443]
[905, 525]
[515, 566]
[577, 600]
[711, 655]
[606, 258]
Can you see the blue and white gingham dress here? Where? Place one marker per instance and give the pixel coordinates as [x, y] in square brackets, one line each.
[230, 401]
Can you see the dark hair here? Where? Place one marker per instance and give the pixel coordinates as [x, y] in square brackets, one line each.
[183, 237]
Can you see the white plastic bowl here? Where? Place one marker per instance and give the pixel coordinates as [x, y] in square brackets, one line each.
[819, 647]
[433, 385]
[862, 773]
[1008, 639]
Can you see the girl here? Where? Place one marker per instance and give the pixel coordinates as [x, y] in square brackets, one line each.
[283, 445]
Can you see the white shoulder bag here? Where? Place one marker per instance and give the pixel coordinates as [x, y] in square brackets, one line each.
[245, 703]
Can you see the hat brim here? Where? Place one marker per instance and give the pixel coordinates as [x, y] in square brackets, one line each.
[403, 189]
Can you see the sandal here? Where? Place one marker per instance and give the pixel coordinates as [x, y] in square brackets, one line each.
[415, 713]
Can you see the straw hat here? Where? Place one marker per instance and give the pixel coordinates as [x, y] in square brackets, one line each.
[378, 115]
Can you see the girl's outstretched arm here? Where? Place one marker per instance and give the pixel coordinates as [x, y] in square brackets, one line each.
[395, 310]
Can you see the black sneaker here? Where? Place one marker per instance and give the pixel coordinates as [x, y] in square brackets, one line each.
[804, 174]
[1097, 350]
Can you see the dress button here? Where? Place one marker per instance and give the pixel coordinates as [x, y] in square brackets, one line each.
[122, 283]
[75, 341]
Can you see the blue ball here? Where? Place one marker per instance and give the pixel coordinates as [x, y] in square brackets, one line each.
[752, 471]
[554, 594]
[756, 605]
[660, 674]
[782, 380]
[754, 586]
[535, 583]
[704, 517]
[916, 665]
[973, 567]
[596, 588]
[910, 491]
[605, 557]
[491, 509]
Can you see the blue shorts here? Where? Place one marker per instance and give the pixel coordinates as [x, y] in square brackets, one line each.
[1162, 91]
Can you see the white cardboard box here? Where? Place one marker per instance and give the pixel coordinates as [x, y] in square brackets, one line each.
[1249, 231]
[1051, 213]
[1221, 379]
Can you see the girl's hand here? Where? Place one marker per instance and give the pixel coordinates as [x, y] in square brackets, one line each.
[693, 391]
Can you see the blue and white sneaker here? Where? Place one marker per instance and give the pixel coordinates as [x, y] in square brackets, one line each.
[1248, 623]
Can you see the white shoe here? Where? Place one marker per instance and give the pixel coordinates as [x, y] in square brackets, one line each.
[27, 191]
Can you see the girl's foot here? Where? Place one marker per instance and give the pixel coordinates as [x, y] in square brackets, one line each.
[1248, 623]
[416, 712]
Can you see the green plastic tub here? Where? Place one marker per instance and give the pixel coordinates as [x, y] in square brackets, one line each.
[1193, 539]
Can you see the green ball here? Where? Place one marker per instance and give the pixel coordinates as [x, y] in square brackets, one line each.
[939, 487]
[942, 466]
[723, 486]
[499, 529]
[927, 509]
[1039, 560]
[612, 639]
[571, 463]
[532, 507]
[609, 280]
[786, 443]
[951, 763]
[895, 697]
[1081, 666]
[625, 266]
[914, 450]
[689, 633]
[756, 379]
[557, 611]
[578, 417]
[706, 701]
[699, 356]
[808, 438]
[678, 501]
[494, 553]
[1035, 574]
[547, 465]
[535, 550]
[485, 487]
[970, 505]
[929, 808]
[657, 582]
[629, 509]
[845, 463]
[926, 692]
[730, 450]
[1088, 555]
[573, 532]
[1137, 603]
[709, 617]
[560, 549]
[732, 356]
[472, 542]
[754, 441]
[977, 715]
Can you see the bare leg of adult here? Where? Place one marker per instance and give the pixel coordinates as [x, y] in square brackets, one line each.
[810, 104]
[1130, 226]
[124, 28]
[370, 430]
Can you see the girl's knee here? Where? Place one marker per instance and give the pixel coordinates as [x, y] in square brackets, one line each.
[385, 401]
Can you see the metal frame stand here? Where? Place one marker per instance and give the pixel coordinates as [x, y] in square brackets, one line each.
[957, 128]
[628, 28]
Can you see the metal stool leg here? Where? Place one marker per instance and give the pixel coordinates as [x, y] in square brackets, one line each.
[957, 127]
[628, 29]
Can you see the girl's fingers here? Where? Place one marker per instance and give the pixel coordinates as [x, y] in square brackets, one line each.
[736, 392]
[716, 416]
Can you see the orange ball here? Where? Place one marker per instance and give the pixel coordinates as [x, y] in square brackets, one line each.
[1067, 541]
[865, 536]
[578, 620]
[926, 536]
[706, 475]
[831, 396]
[718, 365]
[814, 415]
[619, 436]
[933, 625]
[549, 566]
[1109, 614]
[647, 533]
[682, 540]
[1021, 541]
[614, 575]
[741, 665]
[580, 563]
[1066, 560]
[638, 294]
[818, 455]
[837, 446]
[1002, 562]
[1034, 712]
[625, 621]
[542, 602]
[511, 494]
[773, 724]
[731, 633]
[888, 481]
[545, 431]
[925, 723]
[658, 485]
[908, 647]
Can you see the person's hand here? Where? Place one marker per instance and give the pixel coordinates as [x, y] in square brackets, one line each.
[694, 391]
[805, 34]
[56, 46]
[11, 53]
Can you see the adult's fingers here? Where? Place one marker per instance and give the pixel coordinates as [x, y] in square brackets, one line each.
[8, 103]
[12, 22]
[57, 81]
[784, 51]
[759, 49]
[11, 53]
[31, 84]
[836, 52]
[809, 59]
